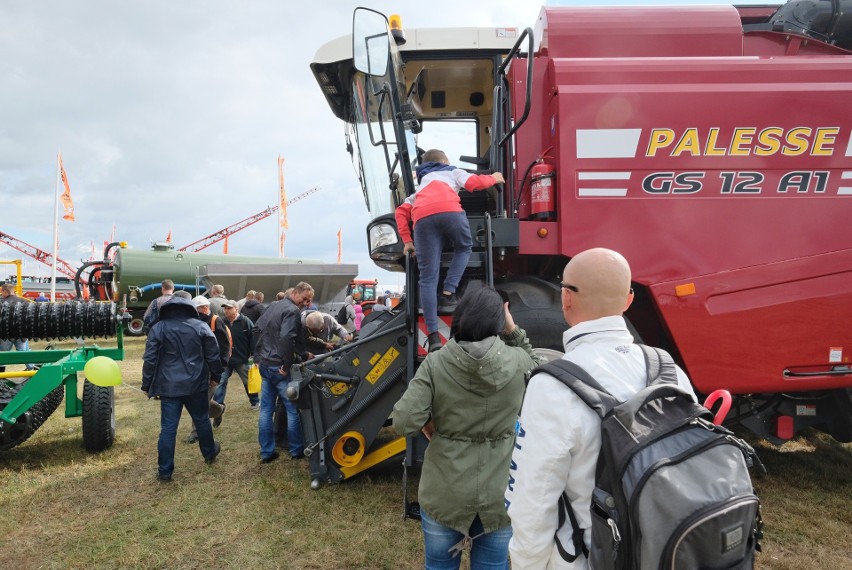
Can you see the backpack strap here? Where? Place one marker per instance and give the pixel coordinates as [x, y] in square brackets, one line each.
[213, 320]
[659, 365]
[581, 383]
[602, 402]
[662, 383]
[577, 533]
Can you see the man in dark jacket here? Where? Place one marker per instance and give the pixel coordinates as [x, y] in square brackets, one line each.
[152, 313]
[180, 363]
[223, 339]
[280, 344]
[242, 334]
[253, 307]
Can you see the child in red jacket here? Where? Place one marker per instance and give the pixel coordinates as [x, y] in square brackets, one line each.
[436, 212]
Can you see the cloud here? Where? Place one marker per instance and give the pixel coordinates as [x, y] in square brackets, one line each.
[170, 116]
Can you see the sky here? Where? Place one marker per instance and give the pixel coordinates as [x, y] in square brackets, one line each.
[170, 117]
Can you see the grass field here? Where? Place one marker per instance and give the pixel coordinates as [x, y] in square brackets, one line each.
[65, 508]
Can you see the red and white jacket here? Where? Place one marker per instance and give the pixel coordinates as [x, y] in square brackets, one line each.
[436, 194]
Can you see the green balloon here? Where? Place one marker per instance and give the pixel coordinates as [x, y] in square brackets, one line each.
[103, 371]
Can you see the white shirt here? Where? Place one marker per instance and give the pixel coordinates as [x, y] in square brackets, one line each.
[559, 440]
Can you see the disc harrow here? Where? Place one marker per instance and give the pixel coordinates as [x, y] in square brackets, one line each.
[57, 321]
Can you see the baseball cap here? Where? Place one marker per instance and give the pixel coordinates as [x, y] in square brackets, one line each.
[229, 303]
[200, 302]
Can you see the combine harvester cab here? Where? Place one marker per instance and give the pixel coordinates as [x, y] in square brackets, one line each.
[711, 145]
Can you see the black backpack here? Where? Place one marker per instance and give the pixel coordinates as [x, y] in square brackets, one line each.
[342, 317]
[672, 490]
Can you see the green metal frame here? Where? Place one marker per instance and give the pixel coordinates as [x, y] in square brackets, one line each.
[59, 367]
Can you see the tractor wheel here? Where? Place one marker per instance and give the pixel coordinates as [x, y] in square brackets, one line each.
[135, 327]
[98, 417]
[17, 433]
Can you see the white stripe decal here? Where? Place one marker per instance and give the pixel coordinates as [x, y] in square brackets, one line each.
[846, 175]
[849, 146]
[598, 192]
[603, 175]
[844, 191]
[610, 143]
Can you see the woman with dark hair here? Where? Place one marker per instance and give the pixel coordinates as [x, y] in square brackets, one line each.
[465, 398]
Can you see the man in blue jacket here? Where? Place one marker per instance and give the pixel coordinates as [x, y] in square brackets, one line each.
[181, 362]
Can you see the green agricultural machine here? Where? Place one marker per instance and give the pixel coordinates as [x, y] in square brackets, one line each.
[28, 398]
[132, 277]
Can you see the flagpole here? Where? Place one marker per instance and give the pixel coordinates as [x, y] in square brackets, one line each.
[55, 233]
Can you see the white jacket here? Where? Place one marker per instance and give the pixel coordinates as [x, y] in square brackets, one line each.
[559, 440]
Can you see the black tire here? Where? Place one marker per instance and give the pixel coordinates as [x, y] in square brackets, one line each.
[98, 417]
[135, 327]
[31, 420]
[536, 307]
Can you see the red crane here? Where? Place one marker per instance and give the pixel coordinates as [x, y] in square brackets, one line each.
[224, 233]
[38, 254]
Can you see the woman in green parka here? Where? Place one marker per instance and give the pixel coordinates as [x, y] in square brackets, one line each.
[465, 398]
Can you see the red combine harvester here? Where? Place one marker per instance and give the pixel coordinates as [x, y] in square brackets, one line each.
[711, 145]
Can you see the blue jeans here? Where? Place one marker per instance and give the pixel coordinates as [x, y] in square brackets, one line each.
[488, 551]
[274, 384]
[431, 234]
[222, 388]
[20, 344]
[198, 406]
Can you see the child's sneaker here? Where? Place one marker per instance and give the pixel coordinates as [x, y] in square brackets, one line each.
[447, 303]
[434, 342]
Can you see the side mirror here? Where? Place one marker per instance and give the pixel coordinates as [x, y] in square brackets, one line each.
[370, 42]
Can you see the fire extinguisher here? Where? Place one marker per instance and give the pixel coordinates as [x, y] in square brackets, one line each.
[543, 192]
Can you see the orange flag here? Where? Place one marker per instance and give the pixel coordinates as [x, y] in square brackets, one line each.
[281, 246]
[282, 208]
[225, 247]
[169, 237]
[339, 244]
[67, 204]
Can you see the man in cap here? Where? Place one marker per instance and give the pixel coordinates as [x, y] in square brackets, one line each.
[242, 335]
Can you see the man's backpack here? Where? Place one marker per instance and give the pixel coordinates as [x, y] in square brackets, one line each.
[213, 320]
[342, 316]
[672, 490]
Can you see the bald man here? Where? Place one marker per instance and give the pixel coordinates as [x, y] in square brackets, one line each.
[558, 438]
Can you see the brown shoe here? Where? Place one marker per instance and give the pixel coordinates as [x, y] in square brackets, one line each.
[216, 410]
[217, 421]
